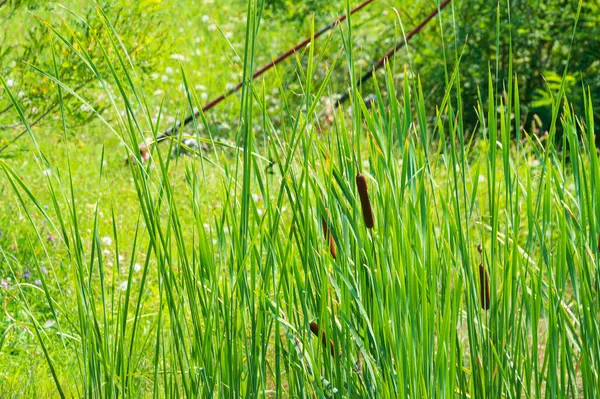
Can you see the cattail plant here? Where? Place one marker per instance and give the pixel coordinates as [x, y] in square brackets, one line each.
[484, 287]
[365, 203]
[314, 328]
[329, 237]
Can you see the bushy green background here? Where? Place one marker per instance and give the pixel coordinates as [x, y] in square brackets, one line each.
[161, 34]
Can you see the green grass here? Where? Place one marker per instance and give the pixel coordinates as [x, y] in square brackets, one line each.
[200, 276]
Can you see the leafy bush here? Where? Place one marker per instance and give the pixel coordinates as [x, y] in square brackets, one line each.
[542, 33]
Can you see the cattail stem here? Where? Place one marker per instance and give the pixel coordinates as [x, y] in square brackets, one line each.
[329, 236]
[484, 287]
[365, 203]
[314, 328]
[597, 285]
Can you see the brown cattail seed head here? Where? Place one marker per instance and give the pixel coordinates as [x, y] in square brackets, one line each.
[314, 328]
[480, 248]
[324, 224]
[329, 236]
[484, 287]
[332, 248]
[365, 203]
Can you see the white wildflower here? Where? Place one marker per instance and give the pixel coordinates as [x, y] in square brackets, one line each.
[178, 57]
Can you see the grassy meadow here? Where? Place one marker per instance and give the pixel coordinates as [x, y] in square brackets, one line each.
[381, 249]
